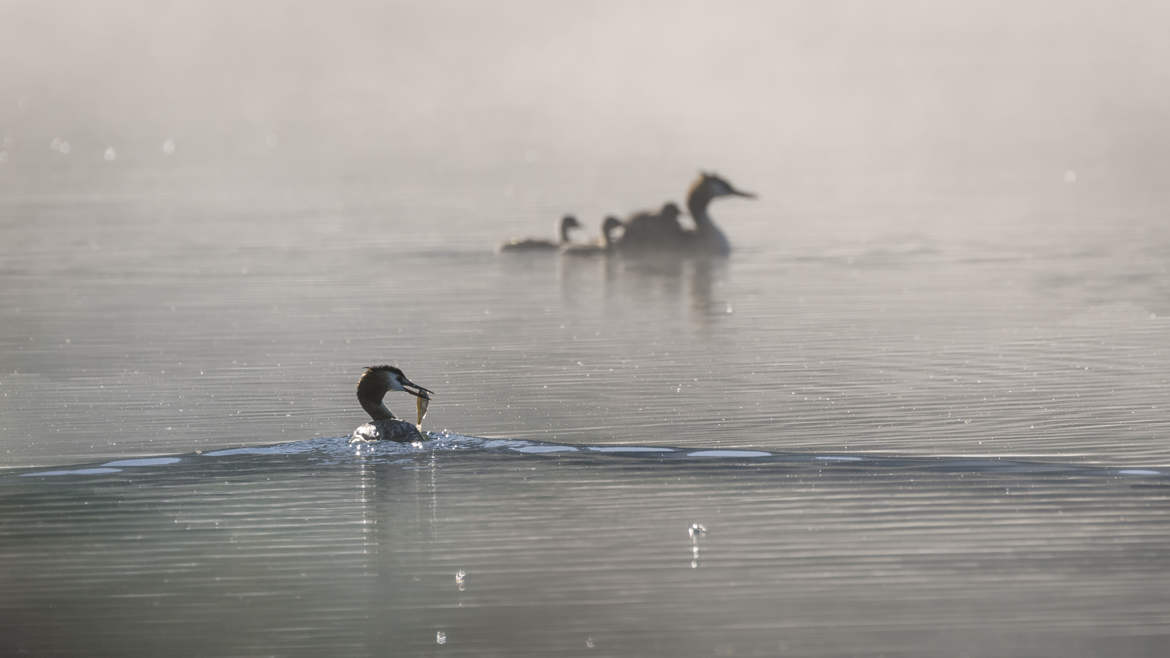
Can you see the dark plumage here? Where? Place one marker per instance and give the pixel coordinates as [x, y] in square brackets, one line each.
[375, 382]
[661, 232]
[653, 230]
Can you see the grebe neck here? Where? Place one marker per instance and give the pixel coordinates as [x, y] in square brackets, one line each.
[377, 409]
[697, 202]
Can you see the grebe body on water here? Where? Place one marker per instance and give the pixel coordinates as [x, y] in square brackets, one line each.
[662, 232]
[653, 230]
[568, 222]
[375, 382]
[605, 244]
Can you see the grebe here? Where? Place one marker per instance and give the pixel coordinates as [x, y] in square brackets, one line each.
[533, 244]
[648, 230]
[657, 233]
[707, 238]
[606, 243]
[373, 385]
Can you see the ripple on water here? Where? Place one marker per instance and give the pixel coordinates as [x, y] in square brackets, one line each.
[541, 449]
[72, 471]
[621, 449]
[338, 449]
[144, 461]
[729, 453]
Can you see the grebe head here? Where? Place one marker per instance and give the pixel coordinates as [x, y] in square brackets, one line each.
[568, 222]
[670, 210]
[716, 186]
[374, 384]
[608, 226]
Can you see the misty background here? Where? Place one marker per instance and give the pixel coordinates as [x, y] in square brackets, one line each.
[873, 100]
[920, 410]
[236, 202]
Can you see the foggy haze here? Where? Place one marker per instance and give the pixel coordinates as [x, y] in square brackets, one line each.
[920, 407]
[919, 87]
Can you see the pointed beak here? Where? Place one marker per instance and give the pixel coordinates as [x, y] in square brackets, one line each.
[420, 392]
[746, 195]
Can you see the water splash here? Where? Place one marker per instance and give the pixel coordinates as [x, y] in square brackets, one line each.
[340, 449]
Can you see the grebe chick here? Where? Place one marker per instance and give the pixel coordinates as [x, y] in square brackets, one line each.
[568, 222]
[600, 247]
[373, 385]
[648, 230]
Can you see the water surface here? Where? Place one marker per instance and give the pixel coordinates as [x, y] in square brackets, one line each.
[477, 547]
[916, 430]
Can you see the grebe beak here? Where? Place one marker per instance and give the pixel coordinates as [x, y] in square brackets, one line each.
[746, 195]
[421, 392]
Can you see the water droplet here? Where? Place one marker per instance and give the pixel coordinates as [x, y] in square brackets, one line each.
[440, 637]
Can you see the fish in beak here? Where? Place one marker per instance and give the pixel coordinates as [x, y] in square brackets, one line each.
[419, 391]
[423, 396]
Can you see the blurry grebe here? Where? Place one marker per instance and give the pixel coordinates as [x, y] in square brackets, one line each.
[601, 247]
[653, 230]
[705, 238]
[374, 384]
[534, 244]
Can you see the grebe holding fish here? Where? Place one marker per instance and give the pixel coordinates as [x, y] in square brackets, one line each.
[375, 382]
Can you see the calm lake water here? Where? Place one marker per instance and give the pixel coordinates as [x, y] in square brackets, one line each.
[934, 426]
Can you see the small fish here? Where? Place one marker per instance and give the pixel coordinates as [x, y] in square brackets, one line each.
[420, 404]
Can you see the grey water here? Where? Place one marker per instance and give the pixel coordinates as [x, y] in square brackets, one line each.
[905, 443]
[920, 410]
